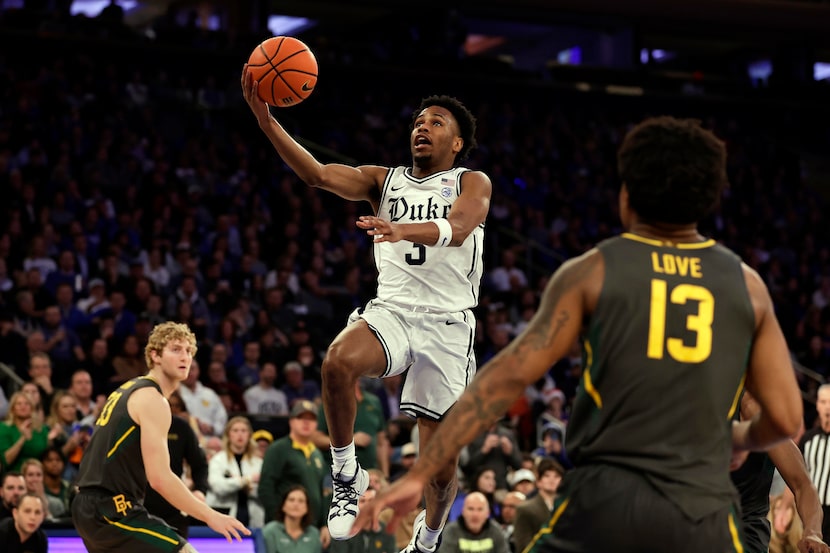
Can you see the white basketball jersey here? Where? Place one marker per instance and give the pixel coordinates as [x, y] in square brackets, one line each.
[415, 275]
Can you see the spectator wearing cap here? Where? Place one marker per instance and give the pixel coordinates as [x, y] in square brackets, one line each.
[294, 459]
[553, 446]
[533, 513]
[553, 414]
[524, 481]
[97, 302]
[296, 386]
[263, 439]
[409, 453]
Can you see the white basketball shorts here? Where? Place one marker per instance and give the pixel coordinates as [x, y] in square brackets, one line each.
[436, 348]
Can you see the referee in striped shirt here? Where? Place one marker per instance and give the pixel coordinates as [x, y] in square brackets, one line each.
[815, 445]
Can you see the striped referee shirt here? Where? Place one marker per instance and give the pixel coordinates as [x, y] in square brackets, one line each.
[815, 445]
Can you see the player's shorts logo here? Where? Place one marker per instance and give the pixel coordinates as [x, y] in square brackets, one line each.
[121, 504]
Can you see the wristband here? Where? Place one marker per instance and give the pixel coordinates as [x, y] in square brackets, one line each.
[444, 233]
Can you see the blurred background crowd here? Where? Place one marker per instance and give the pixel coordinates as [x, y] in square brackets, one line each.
[137, 189]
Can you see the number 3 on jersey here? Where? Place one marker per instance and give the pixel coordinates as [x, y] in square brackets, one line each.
[106, 411]
[699, 323]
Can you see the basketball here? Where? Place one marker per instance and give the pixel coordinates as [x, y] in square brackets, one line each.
[285, 69]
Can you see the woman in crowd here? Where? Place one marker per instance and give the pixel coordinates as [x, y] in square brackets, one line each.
[292, 531]
[32, 471]
[233, 474]
[31, 390]
[484, 482]
[21, 436]
[54, 484]
[65, 432]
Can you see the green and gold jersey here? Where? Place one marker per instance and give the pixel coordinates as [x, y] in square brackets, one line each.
[665, 355]
[112, 460]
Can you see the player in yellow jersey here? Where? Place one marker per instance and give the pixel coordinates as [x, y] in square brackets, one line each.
[128, 450]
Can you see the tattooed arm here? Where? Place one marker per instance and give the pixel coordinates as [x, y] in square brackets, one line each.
[570, 296]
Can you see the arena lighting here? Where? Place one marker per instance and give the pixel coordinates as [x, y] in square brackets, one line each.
[570, 56]
[657, 55]
[759, 71]
[621, 90]
[281, 25]
[92, 8]
[821, 70]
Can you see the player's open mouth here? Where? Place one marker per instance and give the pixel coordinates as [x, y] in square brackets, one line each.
[422, 141]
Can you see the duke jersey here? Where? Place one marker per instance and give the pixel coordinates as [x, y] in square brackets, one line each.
[112, 460]
[665, 356]
[418, 275]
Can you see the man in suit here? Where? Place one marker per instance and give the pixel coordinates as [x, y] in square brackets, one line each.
[534, 512]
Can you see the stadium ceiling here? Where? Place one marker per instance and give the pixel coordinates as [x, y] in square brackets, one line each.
[762, 20]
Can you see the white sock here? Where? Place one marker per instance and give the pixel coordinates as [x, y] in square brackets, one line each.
[428, 537]
[343, 461]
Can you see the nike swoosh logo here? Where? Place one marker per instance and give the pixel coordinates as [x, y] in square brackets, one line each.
[393, 189]
[449, 323]
[306, 88]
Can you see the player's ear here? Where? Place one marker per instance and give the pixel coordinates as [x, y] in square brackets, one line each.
[457, 144]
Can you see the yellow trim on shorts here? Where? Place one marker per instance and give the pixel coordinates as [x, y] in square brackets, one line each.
[549, 528]
[736, 537]
[589, 385]
[143, 531]
[737, 400]
[121, 439]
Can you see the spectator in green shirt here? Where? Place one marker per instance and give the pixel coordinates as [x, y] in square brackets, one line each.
[294, 459]
[293, 531]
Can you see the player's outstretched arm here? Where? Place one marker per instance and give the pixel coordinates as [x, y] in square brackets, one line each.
[548, 337]
[152, 413]
[468, 212]
[790, 463]
[770, 377]
[351, 183]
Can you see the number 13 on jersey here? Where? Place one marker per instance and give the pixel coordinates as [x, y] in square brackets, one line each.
[700, 323]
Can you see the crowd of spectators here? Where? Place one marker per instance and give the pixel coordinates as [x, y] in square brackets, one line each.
[139, 192]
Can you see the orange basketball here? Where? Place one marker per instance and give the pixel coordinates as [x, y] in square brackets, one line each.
[286, 70]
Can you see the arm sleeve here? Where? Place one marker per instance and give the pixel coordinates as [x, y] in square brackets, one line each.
[195, 457]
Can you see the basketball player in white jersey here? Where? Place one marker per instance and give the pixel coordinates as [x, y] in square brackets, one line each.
[428, 233]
